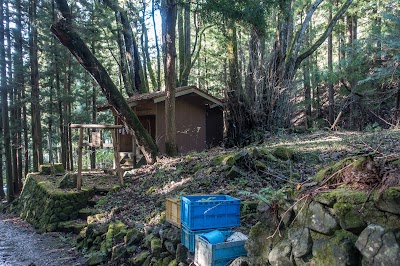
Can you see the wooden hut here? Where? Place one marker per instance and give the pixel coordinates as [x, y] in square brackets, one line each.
[199, 120]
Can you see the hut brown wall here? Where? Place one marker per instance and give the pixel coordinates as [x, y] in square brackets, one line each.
[198, 127]
[190, 124]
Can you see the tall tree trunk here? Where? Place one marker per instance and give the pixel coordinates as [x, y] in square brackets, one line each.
[397, 110]
[13, 103]
[157, 48]
[236, 117]
[187, 51]
[123, 57]
[181, 44]
[331, 92]
[131, 48]
[68, 86]
[19, 87]
[35, 105]
[4, 111]
[94, 115]
[60, 102]
[2, 194]
[170, 77]
[307, 92]
[63, 30]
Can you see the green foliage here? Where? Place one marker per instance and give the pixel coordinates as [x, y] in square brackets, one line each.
[252, 12]
[268, 195]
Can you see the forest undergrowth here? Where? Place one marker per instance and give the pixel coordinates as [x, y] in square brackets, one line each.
[280, 166]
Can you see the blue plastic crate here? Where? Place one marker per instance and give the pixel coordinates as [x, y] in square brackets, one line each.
[210, 211]
[188, 236]
[220, 254]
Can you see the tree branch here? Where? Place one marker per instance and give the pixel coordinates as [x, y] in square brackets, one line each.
[325, 35]
[71, 40]
[296, 44]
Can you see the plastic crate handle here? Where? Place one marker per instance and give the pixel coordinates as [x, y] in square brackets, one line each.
[206, 211]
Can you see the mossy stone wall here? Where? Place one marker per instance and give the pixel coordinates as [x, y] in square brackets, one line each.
[45, 207]
[338, 227]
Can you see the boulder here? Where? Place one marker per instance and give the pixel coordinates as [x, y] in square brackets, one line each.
[96, 258]
[155, 246]
[133, 236]
[118, 251]
[280, 254]
[349, 218]
[379, 246]
[389, 200]
[337, 250]
[170, 247]
[172, 234]
[260, 243]
[241, 261]
[139, 259]
[318, 219]
[301, 241]
[181, 254]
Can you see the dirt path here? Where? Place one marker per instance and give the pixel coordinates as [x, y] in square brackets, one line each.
[21, 245]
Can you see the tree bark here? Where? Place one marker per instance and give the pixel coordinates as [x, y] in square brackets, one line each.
[187, 52]
[157, 48]
[181, 44]
[4, 111]
[331, 92]
[35, 101]
[326, 33]
[131, 48]
[13, 104]
[63, 30]
[56, 55]
[170, 77]
[123, 57]
[94, 115]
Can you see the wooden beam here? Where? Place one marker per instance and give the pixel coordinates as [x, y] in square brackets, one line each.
[134, 152]
[80, 147]
[116, 156]
[96, 126]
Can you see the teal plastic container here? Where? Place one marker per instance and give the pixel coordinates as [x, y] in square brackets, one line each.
[188, 237]
[220, 254]
[210, 212]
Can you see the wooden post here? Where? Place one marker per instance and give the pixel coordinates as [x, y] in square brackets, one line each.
[116, 155]
[80, 147]
[134, 151]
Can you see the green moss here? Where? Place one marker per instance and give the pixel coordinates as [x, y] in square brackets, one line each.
[396, 162]
[133, 236]
[342, 195]
[392, 193]
[173, 263]
[326, 250]
[359, 162]
[43, 205]
[47, 169]
[283, 153]
[155, 246]
[140, 258]
[198, 166]
[342, 236]
[320, 176]
[150, 190]
[226, 159]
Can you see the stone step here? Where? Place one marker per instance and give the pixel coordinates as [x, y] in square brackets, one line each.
[85, 212]
[74, 226]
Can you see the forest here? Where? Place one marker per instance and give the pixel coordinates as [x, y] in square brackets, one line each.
[281, 67]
